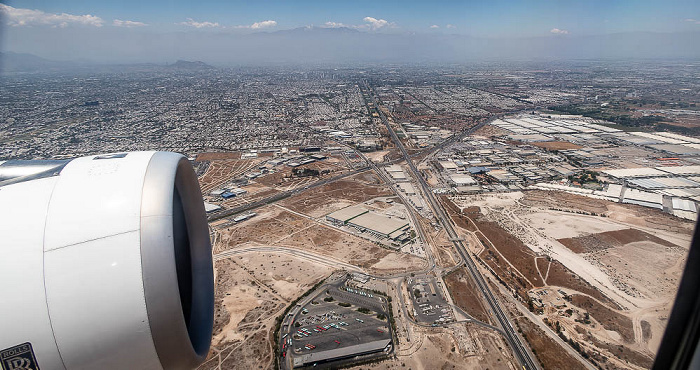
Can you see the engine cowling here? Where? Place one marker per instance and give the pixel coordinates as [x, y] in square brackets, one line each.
[106, 263]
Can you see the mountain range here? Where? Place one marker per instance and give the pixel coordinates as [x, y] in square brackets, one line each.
[315, 45]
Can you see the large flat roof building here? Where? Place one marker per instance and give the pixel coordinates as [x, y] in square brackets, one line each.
[378, 224]
[364, 220]
[341, 353]
[398, 176]
[342, 216]
[459, 179]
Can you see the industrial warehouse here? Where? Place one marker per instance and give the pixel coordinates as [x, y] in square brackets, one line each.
[376, 224]
[311, 359]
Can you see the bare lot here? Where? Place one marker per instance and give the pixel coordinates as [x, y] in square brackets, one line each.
[244, 315]
[547, 351]
[610, 239]
[466, 295]
[618, 263]
[277, 227]
[223, 171]
[339, 194]
[557, 145]
[465, 346]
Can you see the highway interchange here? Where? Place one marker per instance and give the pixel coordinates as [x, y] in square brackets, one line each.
[520, 350]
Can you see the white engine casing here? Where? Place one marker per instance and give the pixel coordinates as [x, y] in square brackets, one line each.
[108, 265]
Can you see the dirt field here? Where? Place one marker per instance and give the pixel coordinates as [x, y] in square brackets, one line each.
[563, 225]
[252, 289]
[610, 319]
[610, 239]
[489, 131]
[512, 249]
[285, 275]
[465, 294]
[223, 171]
[276, 227]
[377, 157]
[618, 357]
[627, 213]
[244, 315]
[463, 347]
[627, 258]
[339, 194]
[561, 276]
[267, 228]
[216, 156]
[547, 351]
[284, 179]
[557, 145]
[512, 260]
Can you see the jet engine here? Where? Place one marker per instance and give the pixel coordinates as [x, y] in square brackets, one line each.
[105, 263]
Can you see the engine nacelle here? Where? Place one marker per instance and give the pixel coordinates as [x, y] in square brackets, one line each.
[105, 263]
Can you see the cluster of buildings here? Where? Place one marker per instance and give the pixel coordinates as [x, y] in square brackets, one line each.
[652, 169]
[405, 185]
[423, 136]
[184, 111]
[481, 164]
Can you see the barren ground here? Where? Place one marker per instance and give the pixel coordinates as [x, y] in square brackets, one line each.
[618, 263]
[276, 227]
[339, 194]
[466, 295]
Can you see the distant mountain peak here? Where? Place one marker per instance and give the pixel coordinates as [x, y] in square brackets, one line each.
[186, 64]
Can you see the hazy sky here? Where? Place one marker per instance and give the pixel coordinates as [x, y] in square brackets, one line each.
[28, 24]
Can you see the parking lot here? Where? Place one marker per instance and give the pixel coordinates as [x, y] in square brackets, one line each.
[326, 323]
[429, 304]
[329, 326]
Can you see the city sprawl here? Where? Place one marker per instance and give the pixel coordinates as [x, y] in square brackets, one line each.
[491, 215]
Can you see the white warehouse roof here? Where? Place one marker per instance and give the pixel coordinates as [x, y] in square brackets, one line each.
[635, 172]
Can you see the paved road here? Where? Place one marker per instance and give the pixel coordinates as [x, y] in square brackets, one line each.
[279, 196]
[318, 258]
[409, 208]
[521, 351]
[286, 194]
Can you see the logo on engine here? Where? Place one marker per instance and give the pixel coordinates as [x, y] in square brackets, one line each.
[20, 357]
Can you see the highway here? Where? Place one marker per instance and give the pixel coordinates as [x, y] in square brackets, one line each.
[411, 211]
[286, 194]
[279, 196]
[521, 351]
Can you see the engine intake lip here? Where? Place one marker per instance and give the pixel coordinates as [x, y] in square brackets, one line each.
[176, 264]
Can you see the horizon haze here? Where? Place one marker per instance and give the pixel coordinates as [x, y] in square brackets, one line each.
[311, 32]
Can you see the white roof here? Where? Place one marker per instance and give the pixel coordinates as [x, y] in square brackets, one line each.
[643, 196]
[679, 137]
[686, 205]
[208, 207]
[665, 182]
[407, 187]
[394, 168]
[448, 165]
[398, 175]
[347, 213]
[663, 139]
[462, 179]
[379, 223]
[612, 191]
[688, 192]
[681, 170]
[635, 172]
